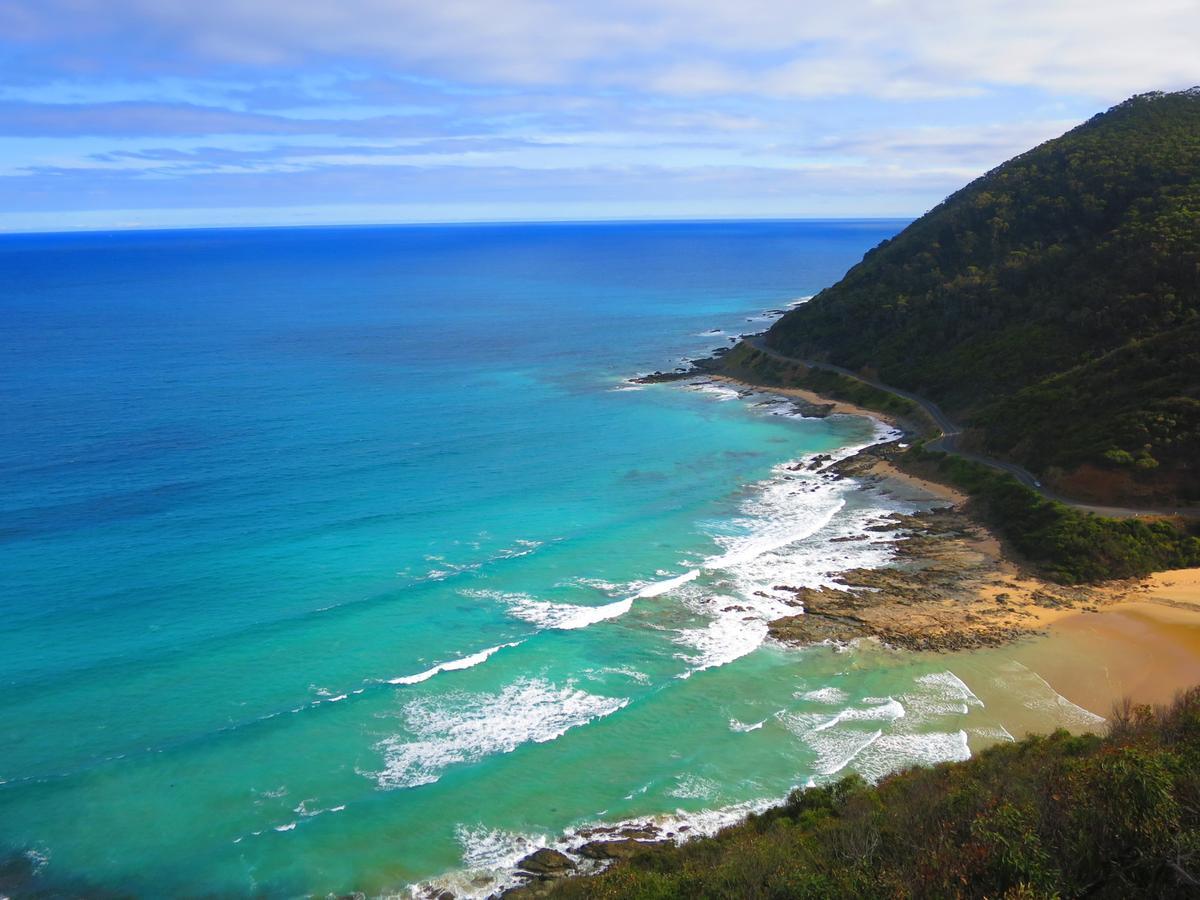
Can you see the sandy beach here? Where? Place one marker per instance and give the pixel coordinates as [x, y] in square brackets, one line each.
[1145, 646]
[955, 590]
[835, 407]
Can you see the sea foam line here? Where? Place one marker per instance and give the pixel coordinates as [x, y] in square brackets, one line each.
[465, 662]
[466, 727]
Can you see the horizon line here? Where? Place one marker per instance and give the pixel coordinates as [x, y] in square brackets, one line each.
[450, 223]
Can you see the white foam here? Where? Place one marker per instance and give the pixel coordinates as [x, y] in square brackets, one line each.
[599, 584]
[995, 732]
[637, 791]
[465, 727]
[489, 858]
[287, 827]
[658, 588]
[491, 848]
[524, 548]
[836, 745]
[694, 787]
[894, 752]
[888, 711]
[735, 725]
[1037, 694]
[490, 855]
[564, 616]
[567, 616]
[625, 671]
[945, 692]
[907, 734]
[785, 536]
[38, 859]
[719, 391]
[453, 665]
[725, 639]
[303, 810]
[825, 695]
[835, 749]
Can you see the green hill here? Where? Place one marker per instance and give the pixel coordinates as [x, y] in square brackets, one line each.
[1053, 305]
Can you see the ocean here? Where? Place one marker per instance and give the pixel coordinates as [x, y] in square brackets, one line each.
[348, 559]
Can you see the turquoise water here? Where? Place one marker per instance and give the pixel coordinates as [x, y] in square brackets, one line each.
[346, 559]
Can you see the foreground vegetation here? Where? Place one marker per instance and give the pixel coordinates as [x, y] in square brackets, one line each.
[1058, 816]
[1053, 305]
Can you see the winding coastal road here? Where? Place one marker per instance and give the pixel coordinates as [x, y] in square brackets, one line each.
[951, 432]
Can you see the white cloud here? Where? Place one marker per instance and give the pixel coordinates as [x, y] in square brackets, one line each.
[660, 107]
[919, 48]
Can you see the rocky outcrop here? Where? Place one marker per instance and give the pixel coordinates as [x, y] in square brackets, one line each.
[950, 589]
[619, 849]
[547, 863]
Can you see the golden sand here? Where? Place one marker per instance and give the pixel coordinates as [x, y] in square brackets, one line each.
[1138, 639]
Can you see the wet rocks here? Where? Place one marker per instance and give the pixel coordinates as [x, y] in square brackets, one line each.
[815, 463]
[815, 629]
[619, 849]
[663, 377]
[534, 890]
[810, 410]
[951, 588]
[547, 863]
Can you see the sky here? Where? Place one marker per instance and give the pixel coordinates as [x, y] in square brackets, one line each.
[178, 113]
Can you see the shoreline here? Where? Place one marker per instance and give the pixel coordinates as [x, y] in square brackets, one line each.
[1149, 624]
[831, 406]
[952, 591]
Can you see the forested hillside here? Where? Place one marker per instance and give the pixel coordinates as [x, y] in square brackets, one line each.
[1053, 304]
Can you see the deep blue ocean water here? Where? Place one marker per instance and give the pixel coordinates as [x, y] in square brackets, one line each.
[260, 486]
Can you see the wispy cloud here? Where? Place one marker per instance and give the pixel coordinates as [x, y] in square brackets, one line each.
[915, 47]
[856, 107]
[185, 119]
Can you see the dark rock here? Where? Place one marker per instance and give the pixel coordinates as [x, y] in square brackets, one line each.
[813, 629]
[640, 832]
[535, 890]
[622, 849]
[661, 377]
[546, 862]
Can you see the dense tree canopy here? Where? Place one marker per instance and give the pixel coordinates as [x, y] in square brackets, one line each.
[1053, 303]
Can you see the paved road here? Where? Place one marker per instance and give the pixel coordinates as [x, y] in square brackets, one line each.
[951, 432]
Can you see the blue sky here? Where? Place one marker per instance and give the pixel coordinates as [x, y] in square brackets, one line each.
[163, 113]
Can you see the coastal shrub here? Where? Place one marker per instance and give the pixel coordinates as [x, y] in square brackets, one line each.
[1055, 816]
[1068, 545]
[749, 364]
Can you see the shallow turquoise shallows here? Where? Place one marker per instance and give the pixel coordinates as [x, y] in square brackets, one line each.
[340, 560]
